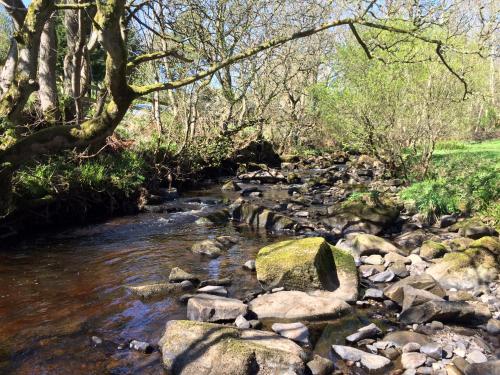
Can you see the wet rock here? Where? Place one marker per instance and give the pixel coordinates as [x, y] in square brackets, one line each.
[210, 308]
[177, 275]
[241, 322]
[307, 264]
[249, 265]
[412, 360]
[486, 368]
[225, 281]
[297, 332]
[373, 293]
[431, 250]
[369, 331]
[446, 311]
[249, 191]
[320, 366]
[436, 326]
[383, 277]
[371, 362]
[269, 176]
[391, 353]
[155, 289]
[210, 248]
[217, 290]
[476, 356]
[218, 217]
[96, 340]
[465, 270]
[425, 282]
[295, 305]
[400, 338]
[231, 186]
[194, 348]
[141, 346]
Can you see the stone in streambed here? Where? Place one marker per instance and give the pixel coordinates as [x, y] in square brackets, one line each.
[412, 360]
[446, 311]
[249, 265]
[210, 308]
[369, 331]
[297, 332]
[383, 277]
[372, 362]
[365, 244]
[320, 366]
[195, 348]
[231, 186]
[225, 281]
[373, 293]
[177, 275]
[425, 282]
[156, 289]
[217, 290]
[431, 250]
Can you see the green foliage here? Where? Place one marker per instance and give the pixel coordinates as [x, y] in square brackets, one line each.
[450, 145]
[465, 177]
[5, 35]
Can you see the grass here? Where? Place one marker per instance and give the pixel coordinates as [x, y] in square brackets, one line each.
[464, 178]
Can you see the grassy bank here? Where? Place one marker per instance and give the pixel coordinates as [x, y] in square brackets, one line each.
[464, 178]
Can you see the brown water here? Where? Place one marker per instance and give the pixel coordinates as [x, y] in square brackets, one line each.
[58, 292]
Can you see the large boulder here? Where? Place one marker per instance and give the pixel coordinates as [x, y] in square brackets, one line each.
[257, 152]
[361, 216]
[261, 217]
[195, 348]
[296, 305]
[212, 308]
[446, 311]
[465, 270]
[307, 264]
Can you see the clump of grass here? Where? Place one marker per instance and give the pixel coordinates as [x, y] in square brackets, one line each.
[450, 145]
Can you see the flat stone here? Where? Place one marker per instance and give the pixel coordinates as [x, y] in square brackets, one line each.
[432, 350]
[383, 277]
[425, 282]
[400, 338]
[141, 346]
[446, 311]
[155, 289]
[210, 248]
[373, 293]
[196, 348]
[399, 269]
[225, 281]
[390, 258]
[320, 366]
[365, 244]
[412, 360]
[374, 259]
[217, 290]
[241, 322]
[411, 347]
[372, 362]
[210, 308]
[369, 331]
[476, 357]
[178, 275]
[295, 305]
[415, 297]
[367, 270]
[297, 332]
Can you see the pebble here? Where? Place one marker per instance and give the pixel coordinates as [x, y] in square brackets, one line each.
[96, 340]
[249, 265]
[141, 346]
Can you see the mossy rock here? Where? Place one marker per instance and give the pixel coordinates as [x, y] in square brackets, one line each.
[231, 186]
[293, 178]
[431, 250]
[489, 243]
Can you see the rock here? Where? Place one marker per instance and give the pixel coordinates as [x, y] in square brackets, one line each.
[399, 269]
[486, 368]
[476, 230]
[297, 332]
[307, 264]
[214, 218]
[493, 326]
[431, 250]
[296, 305]
[141, 346]
[369, 270]
[492, 244]
[465, 270]
[393, 257]
[210, 308]
[411, 240]
[249, 265]
[383, 277]
[210, 248]
[447, 220]
[432, 350]
[458, 243]
[177, 275]
[391, 353]
[241, 322]
[214, 289]
[155, 289]
[320, 366]
[371, 362]
[374, 259]
[446, 311]
[400, 338]
[231, 186]
[424, 282]
[436, 326]
[225, 281]
[414, 297]
[476, 357]
[452, 370]
[269, 176]
[187, 285]
[411, 347]
[259, 151]
[365, 244]
[369, 331]
[96, 340]
[247, 192]
[412, 360]
[373, 293]
[195, 348]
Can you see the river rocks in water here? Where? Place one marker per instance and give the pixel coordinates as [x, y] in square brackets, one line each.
[425, 282]
[431, 249]
[141, 346]
[370, 331]
[194, 348]
[465, 270]
[225, 281]
[216, 290]
[211, 308]
[401, 338]
[372, 362]
[251, 192]
[383, 277]
[446, 311]
[261, 217]
[297, 332]
[231, 186]
[412, 360]
[155, 289]
[320, 366]
[269, 176]
[250, 265]
[177, 275]
[214, 248]
[296, 305]
[365, 244]
[307, 264]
